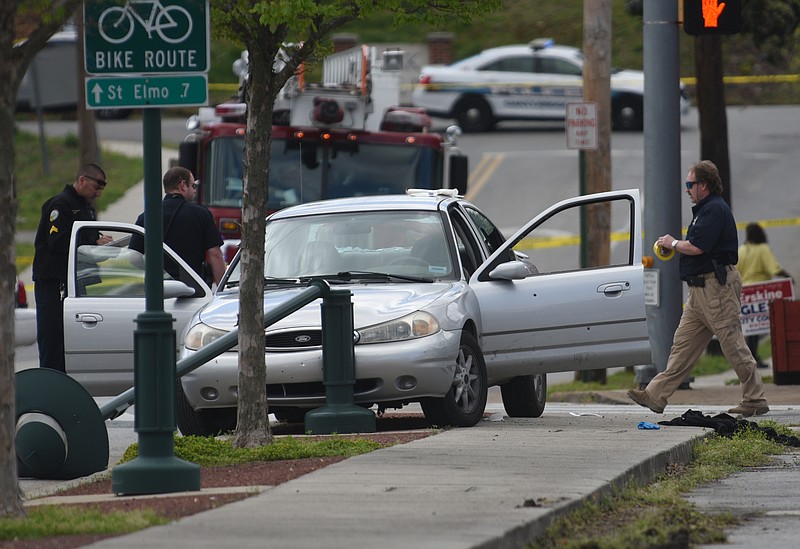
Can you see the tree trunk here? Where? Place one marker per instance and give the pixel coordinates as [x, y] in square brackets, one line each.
[87, 131]
[10, 502]
[713, 119]
[252, 426]
[597, 88]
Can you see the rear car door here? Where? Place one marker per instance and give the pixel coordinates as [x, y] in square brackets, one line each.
[104, 295]
[570, 315]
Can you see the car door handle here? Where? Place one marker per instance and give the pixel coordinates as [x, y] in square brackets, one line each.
[90, 319]
[613, 289]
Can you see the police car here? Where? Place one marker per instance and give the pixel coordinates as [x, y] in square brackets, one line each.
[524, 82]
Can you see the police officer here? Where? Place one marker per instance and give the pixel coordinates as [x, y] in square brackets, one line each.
[59, 213]
[189, 228]
[708, 266]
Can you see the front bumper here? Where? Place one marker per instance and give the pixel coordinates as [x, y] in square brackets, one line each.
[386, 372]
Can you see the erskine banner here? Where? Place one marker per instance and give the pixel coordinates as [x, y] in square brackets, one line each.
[754, 314]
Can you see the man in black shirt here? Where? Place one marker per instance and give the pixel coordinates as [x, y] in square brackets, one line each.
[74, 203]
[708, 265]
[189, 228]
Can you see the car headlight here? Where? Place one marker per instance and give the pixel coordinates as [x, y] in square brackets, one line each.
[418, 324]
[200, 335]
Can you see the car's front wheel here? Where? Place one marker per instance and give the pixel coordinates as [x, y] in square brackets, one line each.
[465, 402]
[203, 423]
[525, 396]
[290, 415]
[474, 114]
[628, 114]
[112, 114]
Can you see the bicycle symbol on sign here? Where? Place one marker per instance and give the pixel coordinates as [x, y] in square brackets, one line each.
[172, 23]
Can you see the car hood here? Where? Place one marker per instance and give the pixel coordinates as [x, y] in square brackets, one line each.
[625, 79]
[372, 304]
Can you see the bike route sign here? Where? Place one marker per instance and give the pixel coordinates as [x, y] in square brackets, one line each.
[146, 91]
[146, 36]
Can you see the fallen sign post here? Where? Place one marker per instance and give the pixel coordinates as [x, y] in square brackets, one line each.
[61, 432]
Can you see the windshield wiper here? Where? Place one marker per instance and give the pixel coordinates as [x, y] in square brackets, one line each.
[371, 275]
[276, 281]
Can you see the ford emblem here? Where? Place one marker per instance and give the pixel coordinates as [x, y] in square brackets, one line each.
[303, 338]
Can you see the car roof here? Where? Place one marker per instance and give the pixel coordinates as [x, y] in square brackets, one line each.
[519, 49]
[422, 200]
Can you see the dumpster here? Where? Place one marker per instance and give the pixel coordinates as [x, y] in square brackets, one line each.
[784, 331]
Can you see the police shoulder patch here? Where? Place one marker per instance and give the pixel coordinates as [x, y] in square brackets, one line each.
[53, 215]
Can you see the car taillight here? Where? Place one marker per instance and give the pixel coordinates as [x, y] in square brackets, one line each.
[22, 296]
[228, 252]
[425, 79]
[228, 226]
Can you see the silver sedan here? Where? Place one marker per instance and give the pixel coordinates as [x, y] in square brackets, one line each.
[443, 305]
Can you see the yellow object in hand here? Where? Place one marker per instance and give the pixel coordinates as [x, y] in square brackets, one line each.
[663, 253]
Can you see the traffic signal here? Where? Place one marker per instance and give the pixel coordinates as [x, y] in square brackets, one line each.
[712, 16]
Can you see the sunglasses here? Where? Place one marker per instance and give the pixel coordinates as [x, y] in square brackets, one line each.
[100, 182]
[690, 184]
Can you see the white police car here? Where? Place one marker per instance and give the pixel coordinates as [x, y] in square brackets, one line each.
[523, 82]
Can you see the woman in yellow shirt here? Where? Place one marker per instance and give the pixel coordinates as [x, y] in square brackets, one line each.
[757, 263]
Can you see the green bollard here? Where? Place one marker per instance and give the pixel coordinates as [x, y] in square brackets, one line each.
[339, 414]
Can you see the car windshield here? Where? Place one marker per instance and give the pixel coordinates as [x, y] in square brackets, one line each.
[403, 243]
[304, 172]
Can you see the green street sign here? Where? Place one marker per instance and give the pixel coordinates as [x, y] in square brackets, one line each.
[146, 91]
[146, 36]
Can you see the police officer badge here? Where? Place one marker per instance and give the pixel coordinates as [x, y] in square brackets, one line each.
[53, 215]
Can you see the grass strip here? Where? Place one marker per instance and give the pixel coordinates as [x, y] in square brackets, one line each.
[215, 452]
[52, 520]
[658, 515]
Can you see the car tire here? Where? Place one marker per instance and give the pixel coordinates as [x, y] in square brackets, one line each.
[473, 114]
[465, 401]
[290, 415]
[525, 396]
[203, 423]
[112, 114]
[628, 114]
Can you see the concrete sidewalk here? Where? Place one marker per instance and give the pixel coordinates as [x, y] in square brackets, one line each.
[498, 484]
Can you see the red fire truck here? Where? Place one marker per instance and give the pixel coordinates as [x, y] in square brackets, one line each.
[327, 147]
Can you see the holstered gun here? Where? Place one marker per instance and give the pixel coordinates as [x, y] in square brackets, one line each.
[720, 272]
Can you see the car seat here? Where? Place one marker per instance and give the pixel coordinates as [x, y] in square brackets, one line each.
[319, 257]
[433, 251]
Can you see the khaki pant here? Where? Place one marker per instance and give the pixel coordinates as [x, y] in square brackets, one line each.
[710, 310]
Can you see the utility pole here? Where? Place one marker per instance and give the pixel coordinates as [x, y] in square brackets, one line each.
[597, 88]
[662, 174]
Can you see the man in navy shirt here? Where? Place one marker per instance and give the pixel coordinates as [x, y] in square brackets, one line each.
[74, 203]
[708, 265]
[189, 228]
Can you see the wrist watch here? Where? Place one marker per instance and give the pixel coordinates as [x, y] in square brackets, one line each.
[675, 244]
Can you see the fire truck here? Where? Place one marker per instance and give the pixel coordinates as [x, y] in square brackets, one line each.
[344, 137]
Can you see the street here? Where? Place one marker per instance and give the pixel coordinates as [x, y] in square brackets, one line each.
[520, 168]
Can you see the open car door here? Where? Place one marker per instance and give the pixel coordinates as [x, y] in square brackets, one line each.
[571, 315]
[104, 295]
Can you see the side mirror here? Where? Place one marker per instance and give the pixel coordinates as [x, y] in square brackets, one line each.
[176, 288]
[511, 270]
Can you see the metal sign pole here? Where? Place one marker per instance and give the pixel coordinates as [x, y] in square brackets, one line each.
[156, 469]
